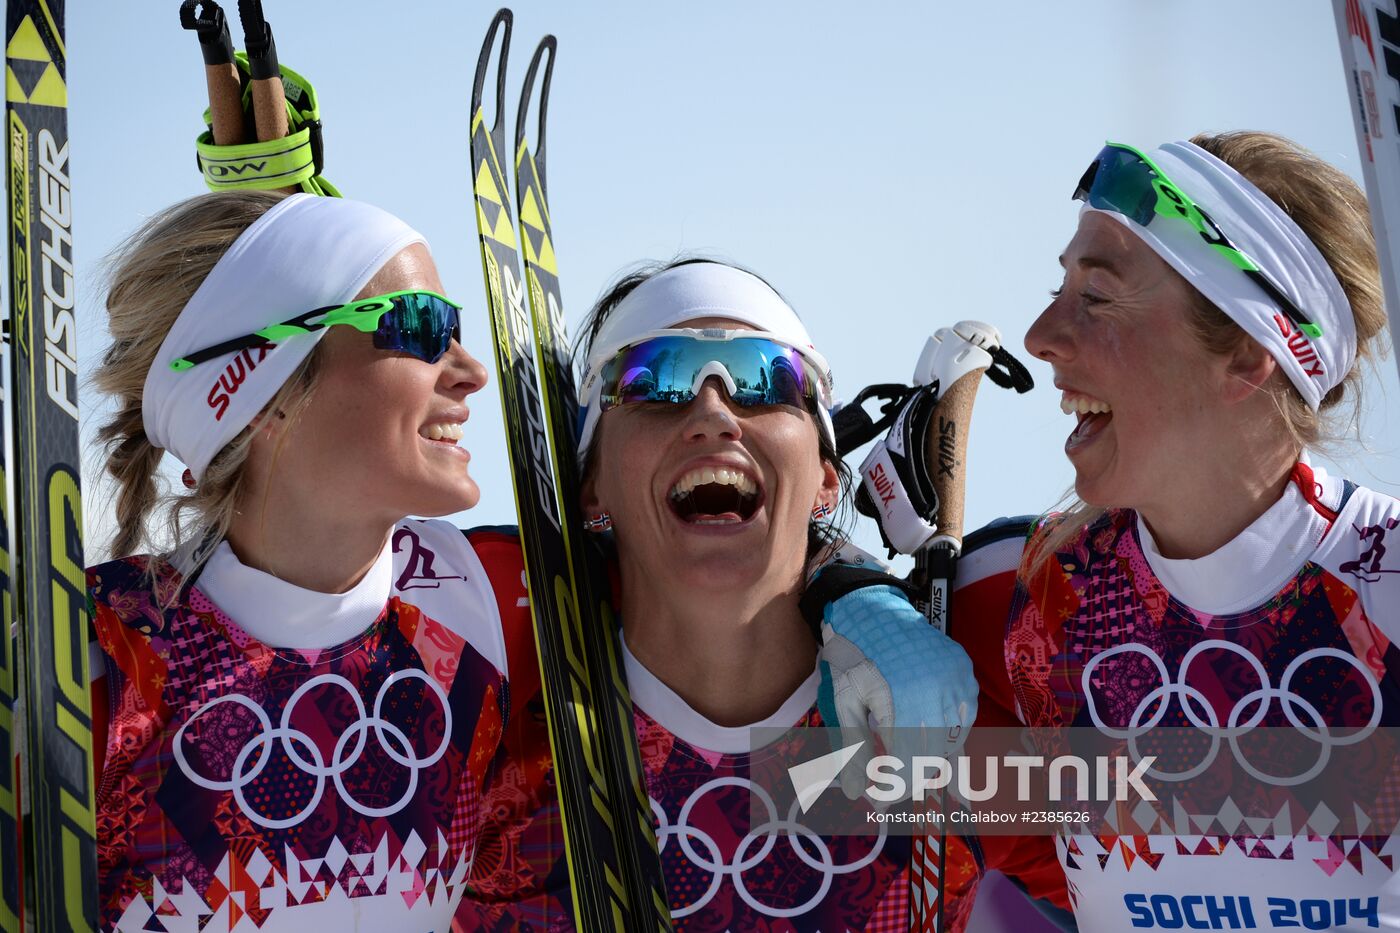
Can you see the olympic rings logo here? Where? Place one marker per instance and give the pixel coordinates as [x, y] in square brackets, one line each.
[1198, 710]
[765, 836]
[394, 742]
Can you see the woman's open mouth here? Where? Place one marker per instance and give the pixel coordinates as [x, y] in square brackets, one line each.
[714, 496]
[1093, 414]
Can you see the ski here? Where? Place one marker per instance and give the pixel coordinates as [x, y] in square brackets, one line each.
[49, 596]
[1365, 28]
[598, 627]
[589, 802]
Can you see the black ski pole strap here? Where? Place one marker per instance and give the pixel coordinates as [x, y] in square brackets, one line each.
[836, 580]
[211, 26]
[853, 425]
[296, 159]
[257, 35]
[1009, 372]
[896, 487]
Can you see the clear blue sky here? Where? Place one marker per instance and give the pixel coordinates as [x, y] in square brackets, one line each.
[891, 169]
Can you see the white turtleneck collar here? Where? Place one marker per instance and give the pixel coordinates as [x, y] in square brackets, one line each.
[1256, 563]
[672, 713]
[281, 615]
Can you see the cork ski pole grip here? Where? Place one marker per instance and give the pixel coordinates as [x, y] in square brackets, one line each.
[269, 108]
[220, 73]
[946, 453]
[268, 96]
[225, 103]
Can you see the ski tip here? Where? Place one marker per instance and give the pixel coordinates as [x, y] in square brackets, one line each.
[500, 23]
[549, 47]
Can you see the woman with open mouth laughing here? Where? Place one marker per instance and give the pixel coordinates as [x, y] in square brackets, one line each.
[1218, 297]
[709, 459]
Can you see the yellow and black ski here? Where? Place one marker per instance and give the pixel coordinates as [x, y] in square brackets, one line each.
[590, 594]
[602, 817]
[47, 588]
[599, 817]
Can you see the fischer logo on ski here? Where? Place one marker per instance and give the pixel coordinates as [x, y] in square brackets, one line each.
[60, 326]
[519, 321]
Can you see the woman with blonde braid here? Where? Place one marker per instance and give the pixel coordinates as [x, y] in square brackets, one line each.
[305, 699]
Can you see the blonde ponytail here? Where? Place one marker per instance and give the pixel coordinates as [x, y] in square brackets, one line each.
[153, 275]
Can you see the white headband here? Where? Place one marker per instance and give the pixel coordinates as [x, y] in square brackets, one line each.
[1261, 229]
[305, 253]
[683, 293]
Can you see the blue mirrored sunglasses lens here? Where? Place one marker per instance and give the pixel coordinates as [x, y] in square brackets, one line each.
[1119, 181]
[664, 369]
[420, 324]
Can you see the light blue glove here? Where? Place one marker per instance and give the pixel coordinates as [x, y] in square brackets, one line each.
[883, 667]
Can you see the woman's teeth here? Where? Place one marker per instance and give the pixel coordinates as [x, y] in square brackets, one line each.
[1093, 415]
[441, 431]
[714, 496]
[1083, 405]
[720, 476]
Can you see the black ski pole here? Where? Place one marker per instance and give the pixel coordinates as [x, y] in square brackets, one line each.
[220, 73]
[269, 98]
[935, 565]
[934, 570]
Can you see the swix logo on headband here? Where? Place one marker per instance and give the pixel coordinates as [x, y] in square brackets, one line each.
[234, 375]
[1300, 346]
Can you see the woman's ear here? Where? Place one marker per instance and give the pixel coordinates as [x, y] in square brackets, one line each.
[1248, 366]
[588, 498]
[269, 423]
[829, 493]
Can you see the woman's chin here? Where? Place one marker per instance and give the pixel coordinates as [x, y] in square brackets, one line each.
[1095, 489]
[1093, 466]
[718, 569]
[463, 495]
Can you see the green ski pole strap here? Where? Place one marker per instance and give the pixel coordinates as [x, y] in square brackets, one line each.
[276, 163]
[294, 160]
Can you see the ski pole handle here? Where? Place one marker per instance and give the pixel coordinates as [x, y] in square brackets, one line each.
[954, 360]
[269, 97]
[945, 453]
[220, 73]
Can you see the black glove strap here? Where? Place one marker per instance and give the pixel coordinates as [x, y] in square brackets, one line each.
[836, 580]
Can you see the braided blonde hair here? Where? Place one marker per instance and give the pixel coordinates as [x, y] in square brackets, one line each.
[152, 276]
